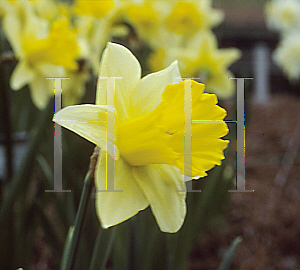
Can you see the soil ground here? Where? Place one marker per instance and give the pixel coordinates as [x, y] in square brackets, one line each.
[268, 219]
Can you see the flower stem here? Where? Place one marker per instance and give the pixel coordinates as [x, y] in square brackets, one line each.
[87, 189]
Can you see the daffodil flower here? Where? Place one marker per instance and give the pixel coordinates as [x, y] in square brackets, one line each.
[287, 55]
[43, 50]
[145, 18]
[149, 139]
[188, 17]
[201, 58]
[93, 21]
[283, 15]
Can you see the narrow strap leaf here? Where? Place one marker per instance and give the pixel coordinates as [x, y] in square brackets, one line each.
[227, 259]
[21, 177]
[102, 248]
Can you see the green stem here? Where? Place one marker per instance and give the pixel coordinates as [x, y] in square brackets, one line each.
[87, 189]
[102, 249]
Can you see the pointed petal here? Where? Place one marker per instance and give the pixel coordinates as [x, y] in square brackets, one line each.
[228, 56]
[88, 121]
[40, 91]
[116, 207]
[51, 70]
[21, 76]
[160, 183]
[221, 85]
[118, 61]
[12, 28]
[150, 88]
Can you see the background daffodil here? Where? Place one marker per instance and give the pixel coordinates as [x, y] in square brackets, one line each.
[284, 17]
[43, 49]
[149, 139]
[202, 58]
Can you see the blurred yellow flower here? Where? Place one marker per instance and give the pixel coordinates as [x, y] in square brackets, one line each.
[287, 55]
[283, 15]
[50, 9]
[149, 140]
[43, 50]
[184, 19]
[58, 48]
[201, 58]
[144, 18]
[95, 8]
[211, 65]
[188, 17]
[93, 22]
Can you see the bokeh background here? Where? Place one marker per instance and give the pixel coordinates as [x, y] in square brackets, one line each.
[35, 224]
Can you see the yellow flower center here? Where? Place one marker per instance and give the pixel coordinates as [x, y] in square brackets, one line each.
[59, 48]
[184, 19]
[158, 137]
[288, 15]
[96, 8]
[143, 16]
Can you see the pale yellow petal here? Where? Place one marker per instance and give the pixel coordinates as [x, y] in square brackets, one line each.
[12, 29]
[116, 207]
[221, 85]
[40, 91]
[160, 183]
[88, 121]
[51, 71]
[34, 26]
[150, 88]
[228, 56]
[21, 76]
[118, 61]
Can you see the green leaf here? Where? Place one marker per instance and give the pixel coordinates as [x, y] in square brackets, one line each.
[121, 246]
[227, 259]
[102, 248]
[21, 177]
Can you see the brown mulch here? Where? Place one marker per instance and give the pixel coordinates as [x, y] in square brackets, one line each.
[268, 219]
